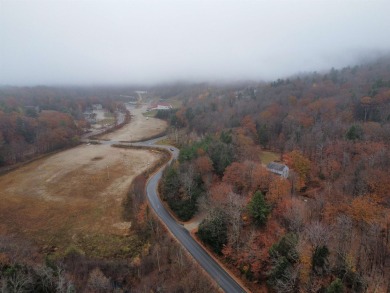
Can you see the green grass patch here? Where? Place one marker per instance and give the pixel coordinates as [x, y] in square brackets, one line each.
[109, 115]
[94, 142]
[106, 121]
[175, 103]
[165, 141]
[268, 157]
[107, 246]
[151, 113]
[97, 158]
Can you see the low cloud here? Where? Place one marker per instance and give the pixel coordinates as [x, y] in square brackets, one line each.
[125, 42]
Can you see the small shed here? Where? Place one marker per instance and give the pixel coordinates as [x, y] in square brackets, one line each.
[278, 168]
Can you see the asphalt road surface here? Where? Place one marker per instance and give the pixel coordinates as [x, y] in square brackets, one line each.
[223, 279]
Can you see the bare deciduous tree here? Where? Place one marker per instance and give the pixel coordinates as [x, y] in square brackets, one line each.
[318, 234]
[234, 207]
[187, 178]
[98, 282]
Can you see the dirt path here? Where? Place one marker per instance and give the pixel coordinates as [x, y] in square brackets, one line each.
[75, 197]
[139, 128]
[193, 224]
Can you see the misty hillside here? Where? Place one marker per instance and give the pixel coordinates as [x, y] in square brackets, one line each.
[323, 229]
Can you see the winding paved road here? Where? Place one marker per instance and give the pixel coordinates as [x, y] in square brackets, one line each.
[224, 280]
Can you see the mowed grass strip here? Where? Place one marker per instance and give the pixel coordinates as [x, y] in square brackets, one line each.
[268, 157]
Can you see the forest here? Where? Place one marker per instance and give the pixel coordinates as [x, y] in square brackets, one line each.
[39, 120]
[324, 229]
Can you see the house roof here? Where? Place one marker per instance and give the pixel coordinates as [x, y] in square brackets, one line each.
[276, 166]
[163, 104]
[155, 105]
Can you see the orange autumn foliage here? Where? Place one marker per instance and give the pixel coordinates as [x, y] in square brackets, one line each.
[204, 165]
[305, 263]
[142, 213]
[365, 209]
[219, 192]
[247, 177]
[249, 125]
[278, 189]
[299, 164]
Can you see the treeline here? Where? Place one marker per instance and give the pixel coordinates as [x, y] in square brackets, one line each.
[23, 136]
[41, 119]
[324, 229]
[162, 266]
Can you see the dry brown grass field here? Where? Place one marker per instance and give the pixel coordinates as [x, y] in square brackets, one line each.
[74, 198]
[139, 128]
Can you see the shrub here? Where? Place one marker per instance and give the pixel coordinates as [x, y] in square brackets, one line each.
[335, 287]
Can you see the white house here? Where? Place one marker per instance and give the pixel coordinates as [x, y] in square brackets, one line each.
[97, 107]
[278, 168]
[164, 107]
[160, 106]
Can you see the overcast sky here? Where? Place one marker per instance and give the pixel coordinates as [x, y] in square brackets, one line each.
[143, 41]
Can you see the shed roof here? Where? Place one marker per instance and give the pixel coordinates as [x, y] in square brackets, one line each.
[276, 166]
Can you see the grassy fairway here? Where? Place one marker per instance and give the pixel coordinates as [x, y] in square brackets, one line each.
[267, 157]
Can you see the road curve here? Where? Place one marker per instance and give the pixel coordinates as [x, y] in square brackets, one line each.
[224, 280]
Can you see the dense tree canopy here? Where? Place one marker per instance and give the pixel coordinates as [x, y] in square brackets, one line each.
[41, 119]
[332, 131]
